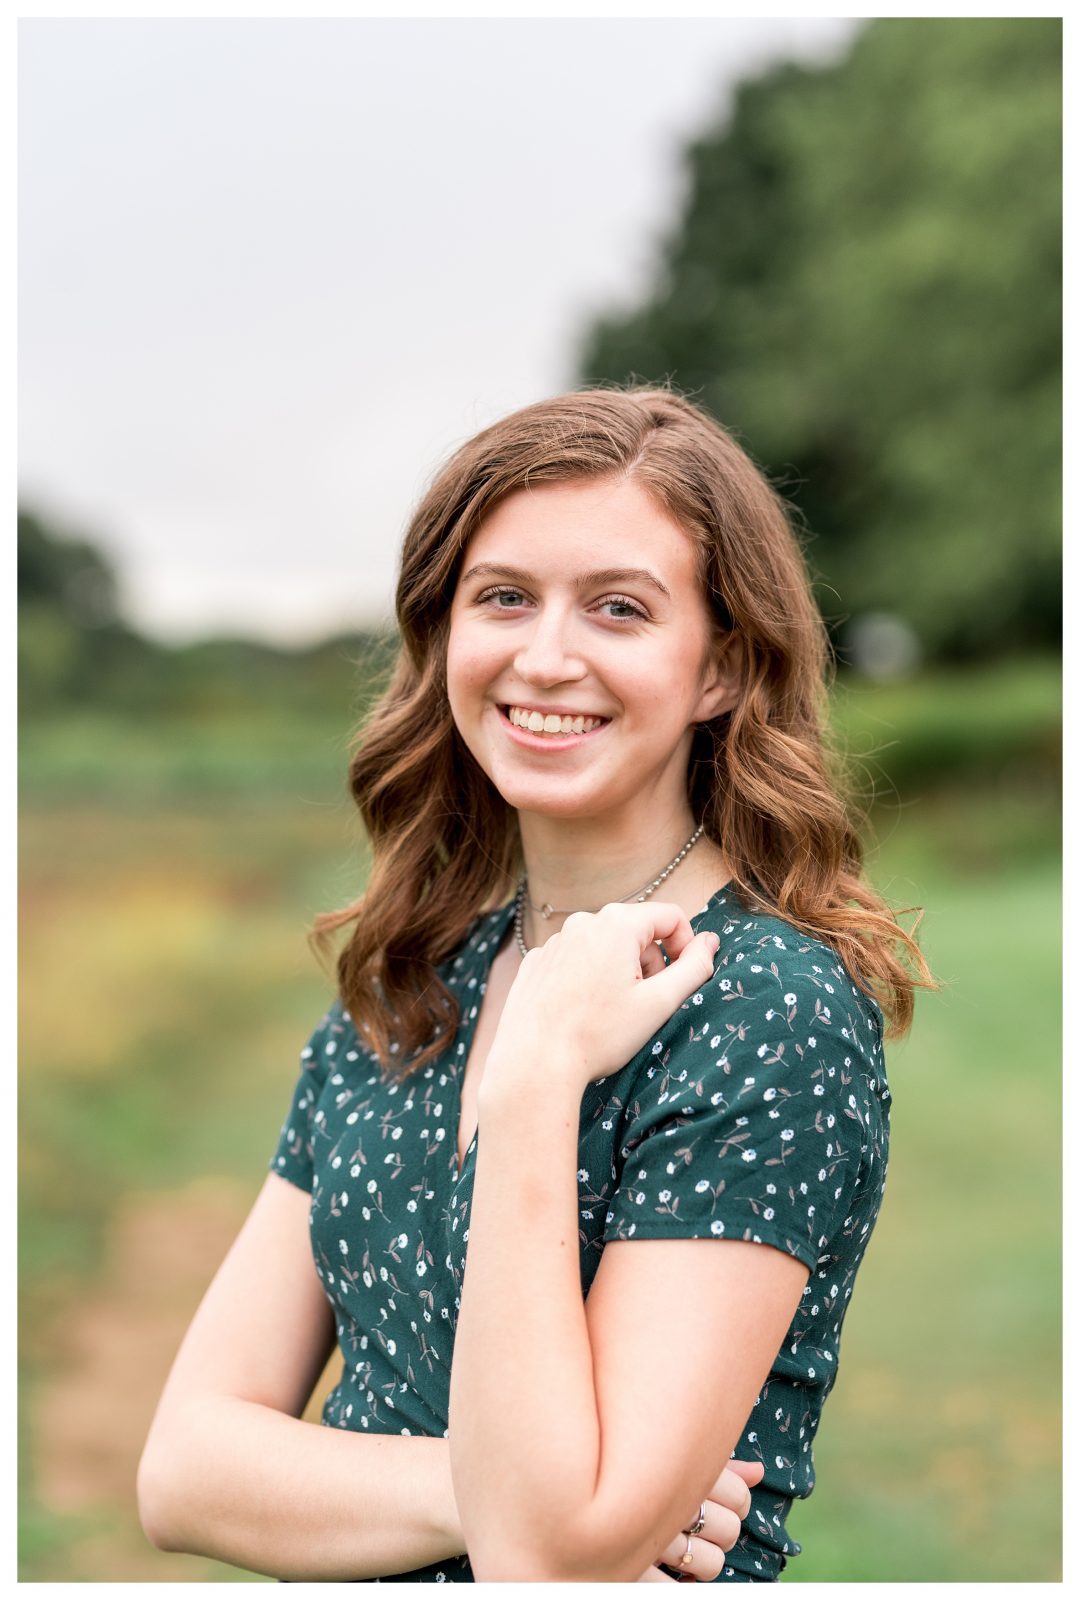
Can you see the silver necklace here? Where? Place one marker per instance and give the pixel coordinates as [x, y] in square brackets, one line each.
[547, 911]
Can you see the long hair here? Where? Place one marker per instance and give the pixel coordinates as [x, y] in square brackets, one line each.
[445, 845]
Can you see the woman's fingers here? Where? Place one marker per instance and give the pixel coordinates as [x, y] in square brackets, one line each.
[664, 991]
[707, 1561]
[654, 1575]
[732, 1488]
[652, 961]
[724, 1511]
[750, 1472]
[707, 1548]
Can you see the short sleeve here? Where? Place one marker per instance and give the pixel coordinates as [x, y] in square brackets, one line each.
[749, 1117]
[294, 1157]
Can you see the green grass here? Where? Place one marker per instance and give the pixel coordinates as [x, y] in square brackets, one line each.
[942, 1436]
[169, 873]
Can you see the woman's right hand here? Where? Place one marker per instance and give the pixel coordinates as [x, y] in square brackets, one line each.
[726, 1507]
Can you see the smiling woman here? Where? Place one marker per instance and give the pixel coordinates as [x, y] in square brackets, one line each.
[577, 1177]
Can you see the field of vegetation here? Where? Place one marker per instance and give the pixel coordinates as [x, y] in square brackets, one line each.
[170, 870]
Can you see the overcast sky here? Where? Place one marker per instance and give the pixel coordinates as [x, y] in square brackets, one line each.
[271, 272]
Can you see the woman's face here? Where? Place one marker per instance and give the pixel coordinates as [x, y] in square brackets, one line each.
[581, 651]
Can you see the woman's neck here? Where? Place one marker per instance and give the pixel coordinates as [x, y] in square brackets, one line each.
[582, 864]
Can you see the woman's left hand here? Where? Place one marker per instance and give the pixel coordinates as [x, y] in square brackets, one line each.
[588, 999]
[725, 1508]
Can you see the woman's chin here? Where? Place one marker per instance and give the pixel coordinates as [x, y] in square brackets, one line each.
[559, 800]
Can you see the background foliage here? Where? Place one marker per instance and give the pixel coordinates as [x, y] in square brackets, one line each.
[865, 279]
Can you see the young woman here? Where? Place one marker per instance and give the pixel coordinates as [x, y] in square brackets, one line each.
[584, 1157]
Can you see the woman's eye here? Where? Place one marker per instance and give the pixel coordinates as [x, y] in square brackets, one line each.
[623, 610]
[500, 599]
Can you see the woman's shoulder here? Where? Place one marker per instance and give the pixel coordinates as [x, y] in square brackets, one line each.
[764, 960]
[780, 1016]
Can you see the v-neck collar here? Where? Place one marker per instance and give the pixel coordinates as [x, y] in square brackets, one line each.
[491, 929]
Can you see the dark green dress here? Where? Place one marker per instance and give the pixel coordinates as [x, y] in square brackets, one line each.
[759, 1111]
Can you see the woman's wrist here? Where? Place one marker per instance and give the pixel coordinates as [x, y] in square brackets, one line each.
[527, 1083]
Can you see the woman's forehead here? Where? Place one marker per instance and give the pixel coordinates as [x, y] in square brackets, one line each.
[604, 522]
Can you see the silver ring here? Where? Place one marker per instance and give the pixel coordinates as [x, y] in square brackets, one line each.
[698, 1526]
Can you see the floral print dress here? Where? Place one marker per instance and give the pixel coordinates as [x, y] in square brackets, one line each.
[759, 1111]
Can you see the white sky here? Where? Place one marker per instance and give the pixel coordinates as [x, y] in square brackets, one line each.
[272, 271]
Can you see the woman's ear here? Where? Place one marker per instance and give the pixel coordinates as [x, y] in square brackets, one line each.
[723, 680]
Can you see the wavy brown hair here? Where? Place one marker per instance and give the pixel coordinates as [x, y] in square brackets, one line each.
[445, 845]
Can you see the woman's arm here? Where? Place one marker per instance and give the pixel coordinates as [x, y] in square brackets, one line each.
[571, 1459]
[230, 1471]
[573, 1456]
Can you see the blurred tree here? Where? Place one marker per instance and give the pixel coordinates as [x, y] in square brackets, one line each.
[866, 283]
[76, 650]
[66, 574]
[73, 646]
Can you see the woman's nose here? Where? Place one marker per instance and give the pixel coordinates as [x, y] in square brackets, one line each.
[547, 653]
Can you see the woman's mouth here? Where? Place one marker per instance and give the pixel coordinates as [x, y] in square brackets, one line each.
[553, 724]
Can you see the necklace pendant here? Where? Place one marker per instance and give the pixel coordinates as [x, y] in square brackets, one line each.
[547, 911]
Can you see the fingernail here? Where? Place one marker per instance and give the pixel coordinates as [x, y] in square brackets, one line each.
[714, 942]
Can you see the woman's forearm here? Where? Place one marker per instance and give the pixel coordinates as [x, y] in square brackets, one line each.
[264, 1491]
[524, 1423]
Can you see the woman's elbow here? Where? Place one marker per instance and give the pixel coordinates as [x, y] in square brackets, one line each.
[155, 1496]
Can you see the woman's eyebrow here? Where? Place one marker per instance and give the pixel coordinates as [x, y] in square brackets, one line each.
[588, 580]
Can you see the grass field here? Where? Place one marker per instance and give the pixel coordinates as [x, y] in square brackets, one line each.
[168, 877]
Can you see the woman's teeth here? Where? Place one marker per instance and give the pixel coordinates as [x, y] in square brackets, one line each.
[537, 722]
